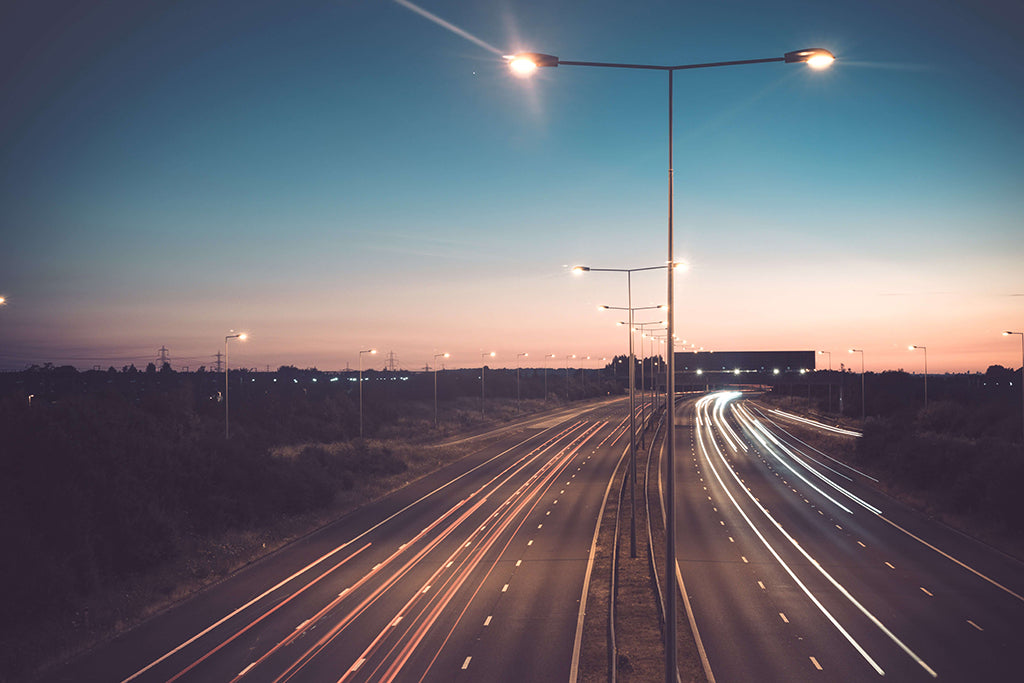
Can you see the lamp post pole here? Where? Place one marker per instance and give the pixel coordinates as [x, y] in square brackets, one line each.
[567, 358]
[370, 351]
[863, 413]
[925, 349]
[483, 367]
[829, 378]
[436, 356]
[241, 336]
[1006, 334]
[519, 394]
[643, 379]
[546, 356]
[526, 63]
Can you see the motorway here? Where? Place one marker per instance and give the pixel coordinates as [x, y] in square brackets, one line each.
[474, 573]
[798, 569]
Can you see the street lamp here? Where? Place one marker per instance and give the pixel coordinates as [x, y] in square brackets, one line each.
[925, 349]
[862, 411]
[371, 352]
[829, 353]
[546, 356]
[241, 336]
[1007, 334]
[567, 376]
[483, 367]
[518, 392]
[524, 64]
[436, 356]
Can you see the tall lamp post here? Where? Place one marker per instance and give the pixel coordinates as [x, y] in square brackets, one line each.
[371, 352]
[641, 327]
[526, 63]
[567, 358]
[829, 353]
[925, 349]
[519, 394]
[1007, 334]
[241, 336]
[436, 356]
[863, 414]
[483, 367]
[546, 356]
[632, 422]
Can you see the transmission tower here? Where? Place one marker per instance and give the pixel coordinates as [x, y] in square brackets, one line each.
[163, 357]
[219, 355]
[392, 361]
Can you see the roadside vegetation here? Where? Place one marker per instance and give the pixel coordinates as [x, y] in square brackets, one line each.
[121, 495]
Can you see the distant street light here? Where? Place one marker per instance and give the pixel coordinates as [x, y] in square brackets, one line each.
[567, 358]
[3, 301]
[436, 356]
[632, 418]
[863, 413]
[371, 352]
[518, 392]
[546, 356]
[925, 349]
[483, 367]
[829, 353]
[1006, 334]
[241, 336]
[524, 64]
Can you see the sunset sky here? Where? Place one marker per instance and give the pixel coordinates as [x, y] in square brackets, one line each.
[336, 176]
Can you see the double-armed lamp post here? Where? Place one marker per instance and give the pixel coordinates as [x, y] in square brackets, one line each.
[526, 63]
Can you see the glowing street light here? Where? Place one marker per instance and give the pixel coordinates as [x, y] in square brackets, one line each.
[436, 356]
[371, 352]
[1007, 334]
[241, 336]
[525, 64]
[518, 393]
[567, 358]
[862, 404]
[483, 367]
[925, 349]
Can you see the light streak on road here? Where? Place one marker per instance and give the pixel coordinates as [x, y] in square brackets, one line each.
[703, 405]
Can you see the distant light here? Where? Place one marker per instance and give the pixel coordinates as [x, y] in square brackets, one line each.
[775, 371]
[699, 371]
[736, 371]
[333, 379]
[243, 336]
[314, 379]
[580, 269]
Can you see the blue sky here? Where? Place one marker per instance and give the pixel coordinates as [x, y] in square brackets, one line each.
[337, 175]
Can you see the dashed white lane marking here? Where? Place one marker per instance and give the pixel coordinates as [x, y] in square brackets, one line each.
[889, 565]
[246, 669]
[540, 526]
[530, 542]
[518, 562]
[355, 667]
[761, 585]
[504, 588]
[816, 665]
[927, 592]
[861, 544]
[465, 664]
[300, 626]
[744, 559]
[487, 621]
[426, 589]
[730, 540]
[839, 527]
[975, 625]
[784, 619]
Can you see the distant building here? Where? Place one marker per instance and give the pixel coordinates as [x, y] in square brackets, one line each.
[744, 361]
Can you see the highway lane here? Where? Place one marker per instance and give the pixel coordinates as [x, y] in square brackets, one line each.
[798, 569]
[475, 572]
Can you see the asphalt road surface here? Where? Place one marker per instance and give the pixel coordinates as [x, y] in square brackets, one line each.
[798, 569]
[473, 573]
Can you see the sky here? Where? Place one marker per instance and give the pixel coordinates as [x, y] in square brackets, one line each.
[335, 176]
